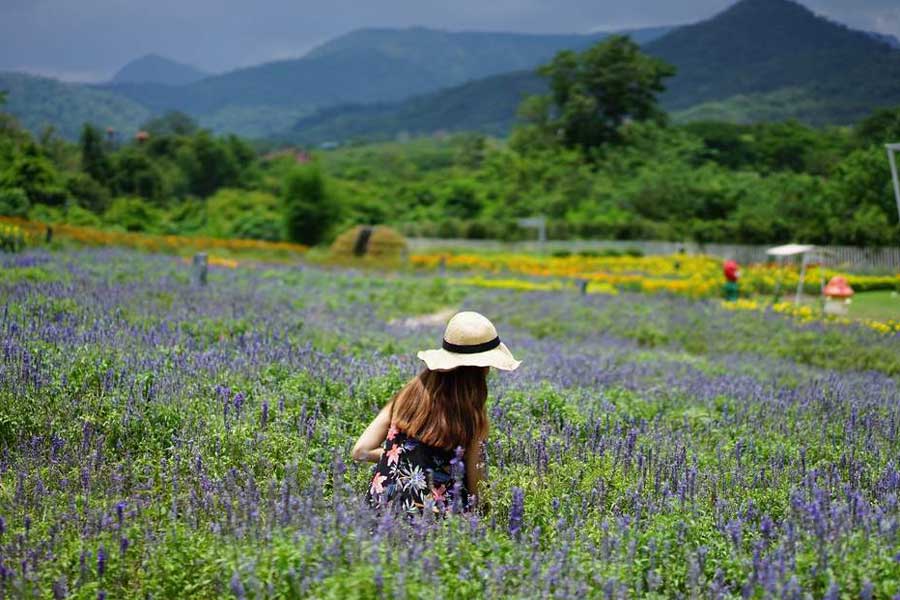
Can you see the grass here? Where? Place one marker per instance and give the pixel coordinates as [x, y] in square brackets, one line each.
[881, 305]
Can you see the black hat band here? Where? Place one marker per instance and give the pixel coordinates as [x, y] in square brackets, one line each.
[471, 348]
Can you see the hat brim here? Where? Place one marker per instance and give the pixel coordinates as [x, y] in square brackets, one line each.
[442, 360]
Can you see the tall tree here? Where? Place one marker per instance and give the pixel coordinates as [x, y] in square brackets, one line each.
[94, 160]
[594, 92]
[308, 211]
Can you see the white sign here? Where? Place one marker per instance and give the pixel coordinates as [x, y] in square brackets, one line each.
[532, 222]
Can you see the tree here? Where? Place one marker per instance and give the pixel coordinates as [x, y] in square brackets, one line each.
[859, 194]
[172, 123]
[461, 200]
[881, 127]
[94, 160]
[208, 164]
[87, 192]
[138, 175]
[34, 174]
[595, 92]
[308, 211]
[14, 202]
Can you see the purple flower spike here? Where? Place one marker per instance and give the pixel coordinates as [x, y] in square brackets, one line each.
[516, 512]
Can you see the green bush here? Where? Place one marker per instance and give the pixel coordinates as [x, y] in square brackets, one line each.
[87, 192]
[309, 212]
[244, 214]
[34, 174]
[14, 202]
[133, 214]
[76, 215]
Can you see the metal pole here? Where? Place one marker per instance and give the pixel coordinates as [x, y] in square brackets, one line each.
[891, 149]
[200, 268]
[780, 279]
[800, 283]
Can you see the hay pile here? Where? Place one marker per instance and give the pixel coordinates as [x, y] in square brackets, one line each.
[376, 244]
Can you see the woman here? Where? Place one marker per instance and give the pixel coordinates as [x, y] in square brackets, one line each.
[427, 440]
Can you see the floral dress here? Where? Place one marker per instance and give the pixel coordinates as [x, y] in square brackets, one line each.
[418, 476]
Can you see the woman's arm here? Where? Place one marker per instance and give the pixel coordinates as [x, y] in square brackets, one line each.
[368, 446]
[476, 470]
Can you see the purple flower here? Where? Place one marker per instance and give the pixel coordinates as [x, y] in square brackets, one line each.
[516, 512]
[237, 587]
[60, 588]
[101, 561]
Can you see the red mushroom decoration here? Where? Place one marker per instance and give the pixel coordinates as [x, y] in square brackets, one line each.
[837, 295]
[142, 136]
[838, 288]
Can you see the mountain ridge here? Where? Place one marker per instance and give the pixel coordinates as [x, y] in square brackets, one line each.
[419, 79]
[155, 69]
[40, 102]
[820, 72]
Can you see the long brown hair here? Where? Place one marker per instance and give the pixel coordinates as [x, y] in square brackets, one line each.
[443, 408]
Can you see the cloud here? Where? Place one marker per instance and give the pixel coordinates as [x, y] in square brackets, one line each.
[70, 75]
[882, 16]
[888, 22]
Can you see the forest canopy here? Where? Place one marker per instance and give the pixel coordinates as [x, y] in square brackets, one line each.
[631, 175]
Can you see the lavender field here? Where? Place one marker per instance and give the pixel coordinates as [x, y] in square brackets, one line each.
[164, 440]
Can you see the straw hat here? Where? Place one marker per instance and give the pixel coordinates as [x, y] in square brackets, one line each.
[470, 340]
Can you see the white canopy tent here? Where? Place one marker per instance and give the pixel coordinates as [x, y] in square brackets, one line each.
[806, 252]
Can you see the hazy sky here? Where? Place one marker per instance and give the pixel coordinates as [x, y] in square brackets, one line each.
[90, 39]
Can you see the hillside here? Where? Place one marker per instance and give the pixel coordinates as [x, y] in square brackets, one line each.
[39, 102]
[760, 60]
[153, 68]
[760, 46]
[482, 105]
[365, 66]
[888, 39]
[463, 56]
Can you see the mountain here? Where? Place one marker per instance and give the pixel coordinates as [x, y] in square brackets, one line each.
[153, 68]
[458, 57]
[760, 60]
[39, 102]
[367, 66]
[364, 66]
[887, 38]
[482, 105]
[761, 46]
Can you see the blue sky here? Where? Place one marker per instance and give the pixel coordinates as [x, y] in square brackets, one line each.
[88, 40]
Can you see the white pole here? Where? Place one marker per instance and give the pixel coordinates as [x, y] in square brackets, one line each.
[891, 148]
[802, 278]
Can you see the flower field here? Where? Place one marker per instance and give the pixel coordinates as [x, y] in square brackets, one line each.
[691, 276]
[176, 244]
[165, 440]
